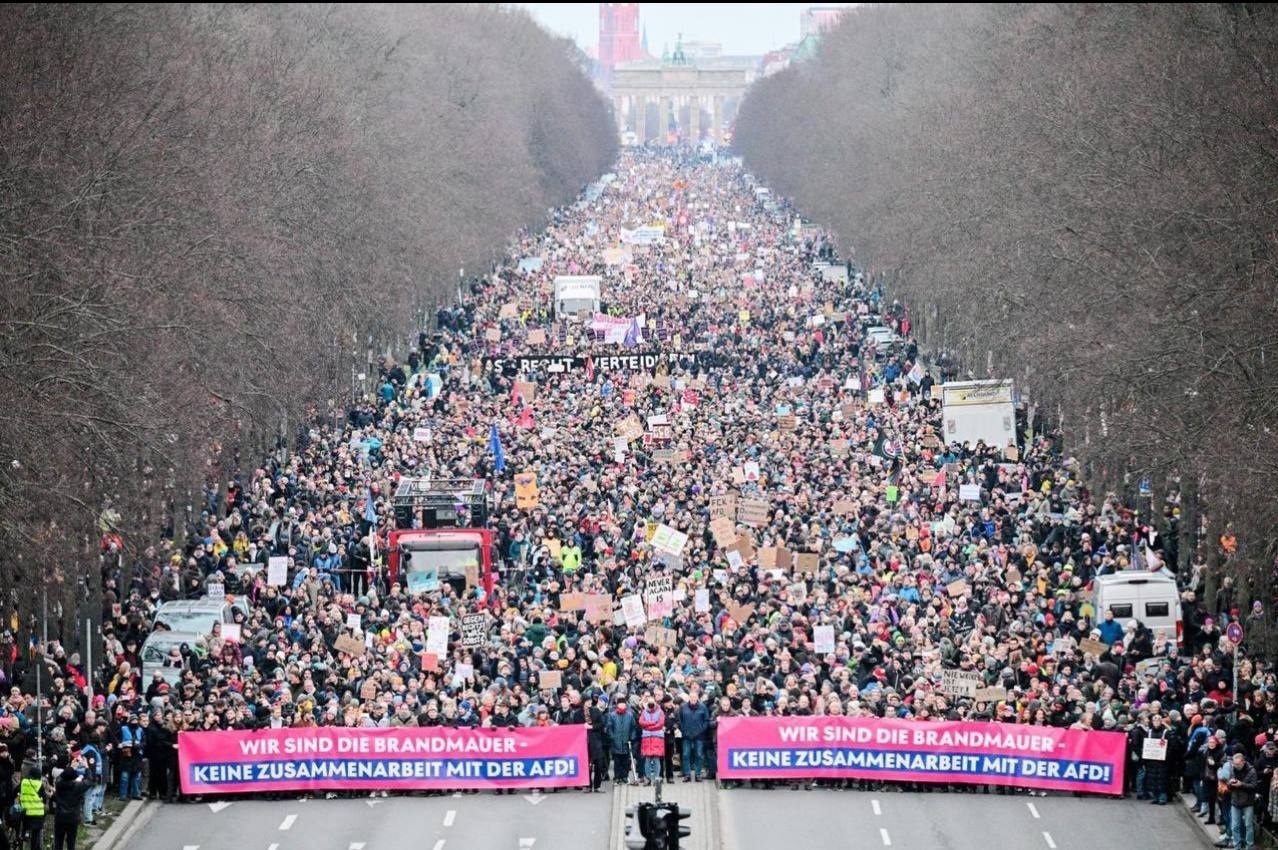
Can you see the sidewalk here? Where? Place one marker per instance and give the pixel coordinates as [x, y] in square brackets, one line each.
[135, 816]
[701, 797]
[1212, 832]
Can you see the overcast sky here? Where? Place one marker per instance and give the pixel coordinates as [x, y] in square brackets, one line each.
[746, 28]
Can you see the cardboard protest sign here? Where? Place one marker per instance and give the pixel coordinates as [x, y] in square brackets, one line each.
[629, 428]
[993, 694]
[723, 506]
[526, 390]
[368, 690]
[753, 512]
[876, 396]
[472, 574]
[839, 448]
[421, 435]
[970, 492]
[572, 601]
[550, 680]
[824, 637]
[474, 629]
[353, 622]
[745, 545]
[724, 531]
[960, 683]
[1012, 453]
[787, 422]
[658, 636]
[701, 600]
[739, 612]
[464, 671]
[232, 632]
[216, 590]
[957, 588]
[509, 310]
[527, 496]
[493, 334]
[1154, 749]
[845, 507]
[277, 571]
[430, 662]
[349, 645]
[537, 336]
[768, 557]
[806, 562]
[1093, 646]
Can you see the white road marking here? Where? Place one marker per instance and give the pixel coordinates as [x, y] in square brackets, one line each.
[372, 803]
[273, 847]
[1047, 836]
[534, 798]
[526, 843]
[357, 845]
[1033, 811]
[190, 847]
[877, 809]
[449, 817]
[456, 793]
[887, 841]
[288, 822]
[439, 845]
[218, 806]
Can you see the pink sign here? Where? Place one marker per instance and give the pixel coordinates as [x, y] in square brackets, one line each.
[337, 758]
[921, 751]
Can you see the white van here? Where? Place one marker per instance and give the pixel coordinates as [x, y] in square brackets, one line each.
[1150, 598]
[155, 654]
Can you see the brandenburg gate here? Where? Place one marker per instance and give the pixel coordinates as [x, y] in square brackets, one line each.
[683, 88]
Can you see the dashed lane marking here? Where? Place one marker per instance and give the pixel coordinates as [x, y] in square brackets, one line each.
[288, 822]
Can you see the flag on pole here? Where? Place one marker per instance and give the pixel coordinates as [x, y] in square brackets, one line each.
[494, 445]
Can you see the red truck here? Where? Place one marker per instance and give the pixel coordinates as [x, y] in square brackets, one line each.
[439, 535]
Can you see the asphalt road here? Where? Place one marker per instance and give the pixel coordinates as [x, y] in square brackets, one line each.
[852, 820]
[468, 822]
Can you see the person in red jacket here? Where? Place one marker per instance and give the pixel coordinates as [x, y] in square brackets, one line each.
[652, 745]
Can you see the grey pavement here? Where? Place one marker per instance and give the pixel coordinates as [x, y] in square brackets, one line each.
[700, 797]
[485, 821]
[851, 820]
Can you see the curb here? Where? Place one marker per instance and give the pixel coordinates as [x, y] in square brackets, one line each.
[1187, 811]
[136, 815]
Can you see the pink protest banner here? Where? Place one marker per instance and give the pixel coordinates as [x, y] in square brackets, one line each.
[406, 758]
[919, 751]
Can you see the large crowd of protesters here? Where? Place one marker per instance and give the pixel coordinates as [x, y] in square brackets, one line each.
[768, 383]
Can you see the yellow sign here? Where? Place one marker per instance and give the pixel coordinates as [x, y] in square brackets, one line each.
[527, 496]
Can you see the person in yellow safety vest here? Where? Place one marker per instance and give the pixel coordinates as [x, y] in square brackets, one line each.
[570, 557]
[31, 796]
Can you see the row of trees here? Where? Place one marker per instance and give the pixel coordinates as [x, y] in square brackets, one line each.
[209, 215]
[1080, 197]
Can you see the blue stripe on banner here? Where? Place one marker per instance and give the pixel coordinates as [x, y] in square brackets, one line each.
[292, 770]
[921, 761]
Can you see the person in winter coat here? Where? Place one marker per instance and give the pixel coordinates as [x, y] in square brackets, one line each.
[620, 728]
[1242, 791]
[1213, 758]
[597, 743]
[694, 722]
[652, 725]
[68, 800]
[32, 793]
[1156, 768]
